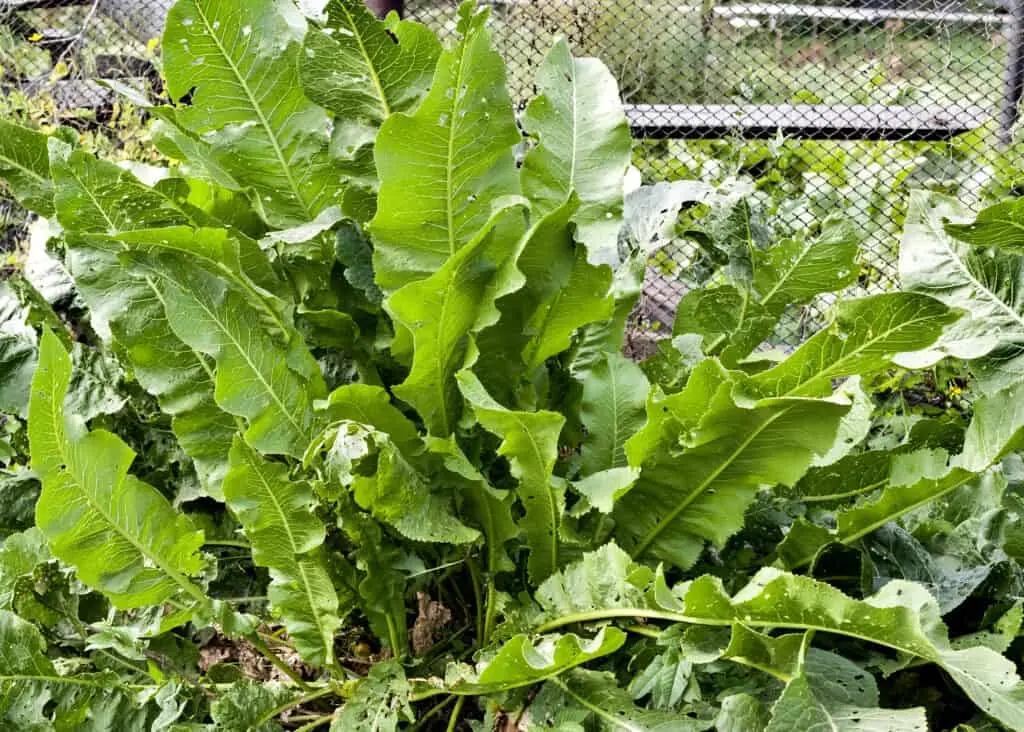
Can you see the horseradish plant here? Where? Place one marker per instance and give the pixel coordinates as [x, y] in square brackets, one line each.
[397, 469]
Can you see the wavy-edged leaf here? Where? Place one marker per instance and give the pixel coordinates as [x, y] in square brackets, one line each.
[530, 442]
[558, 293]
[248, 109]
[584, 148]
[522, 661]
[1000, 225]
[795, 270]
[277, 516]
[123, 538]
[902, 616]
[987, 284]
[917, 479]
[442, 167]
[867, 336]
[34, 696]
[17, 353]
[734, 318]
[399, 489]
[272, 385]
[232, 257]
[25, 167]
[440, 315]
[371, 405]
[702, 457]
[93, 196]
[801, 707]
[363, 72]
[244, 706]
[489, 508]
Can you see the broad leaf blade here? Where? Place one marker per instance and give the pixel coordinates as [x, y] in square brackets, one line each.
[612, 410]
[867, 336]
[248, 106]
[34, 696]
[584, 148]
[702, 458]
[987, 284]
[271, 384]
[25, 168]
[120, 534]
[354, 68]
[98, 197]
[287, 538]
[530, 442]
[442, 167]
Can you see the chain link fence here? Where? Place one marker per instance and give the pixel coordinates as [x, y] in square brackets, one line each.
[822, 107]
[818, 108]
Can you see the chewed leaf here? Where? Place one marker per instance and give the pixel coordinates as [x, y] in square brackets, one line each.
[521, 661]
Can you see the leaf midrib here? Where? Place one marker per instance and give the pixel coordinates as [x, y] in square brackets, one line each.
[943, 239]
[269, 390]
[62, 444]
[653, 534]
[374, 76]
[264, 122]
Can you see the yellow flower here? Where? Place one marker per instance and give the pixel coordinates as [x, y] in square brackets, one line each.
[35, 37]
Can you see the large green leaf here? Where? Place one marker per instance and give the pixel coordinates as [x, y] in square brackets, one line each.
[120, 534]
[594, 699]
[34, 696]
[439, 316]
[442, 167]
[902, 617]
[287, 538]
[802, 707]
[795, 270]
[1000, 225]
[584, 147]
[562, 290]
[702, 457]
[919, 478]
[985, 283]
[400, 489]
[612, 411]
[867, 336]
[530, 442]
[364, 72]
[17, 353]
[357, 69]
[93, 196]
[25, 167]
[270, 383]
[247, 105]
[232, 257]
[735, 317]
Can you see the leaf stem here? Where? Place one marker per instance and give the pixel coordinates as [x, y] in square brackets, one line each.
[281, 666]
[644, 630]
[481, 631]
[491, 609]
[431, 712]
[305, 698]
[453, 720]
[241, 544]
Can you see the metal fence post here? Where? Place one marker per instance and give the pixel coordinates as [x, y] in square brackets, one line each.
[1013, 84]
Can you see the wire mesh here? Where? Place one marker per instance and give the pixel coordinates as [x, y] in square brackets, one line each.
[832, 69]
[838, 71]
